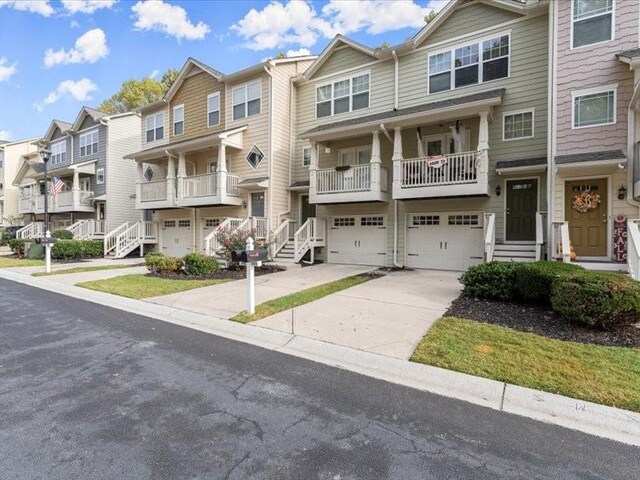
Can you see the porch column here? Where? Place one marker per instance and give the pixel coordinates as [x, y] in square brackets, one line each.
[171, 178]
[482, 162]
[376, 160]
[221, 177]
[75, 188]
[313, 171]
[139, 183]
[397, 159]
[182, 173]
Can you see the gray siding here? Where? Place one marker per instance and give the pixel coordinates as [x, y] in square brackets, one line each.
[87, 123]
[68, 155]
[341, 59]
[100, 156]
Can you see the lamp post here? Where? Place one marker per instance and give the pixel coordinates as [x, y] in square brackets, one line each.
[46, 155]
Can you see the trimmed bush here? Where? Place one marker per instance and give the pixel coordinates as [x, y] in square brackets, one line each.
[533, 281]
[76, 249]
[152, 261]
[197, 264]
[62, 234]
[17, 246]
[159, 263]
[596, 299]
[493, 280]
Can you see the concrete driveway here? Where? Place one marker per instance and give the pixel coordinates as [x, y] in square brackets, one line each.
[388, 315]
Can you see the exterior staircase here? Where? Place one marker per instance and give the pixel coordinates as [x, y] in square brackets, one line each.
[31, 231]
[514, 252]
[286, 253]
[129, 236]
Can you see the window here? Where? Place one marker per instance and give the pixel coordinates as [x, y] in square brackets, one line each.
[213, 109]
[100, 176]
[592, 108]
[344, 222]
[517, 125]
[89, 143]
[255, 156]
[464, 220]
[184, 223]
[212, 167]
[355, 156]
[425, 220]
[463, 65]
[211, 222]
[148, 173]
[306, 156]
[343, 96]
[372, 221]
[58, 152]
[592, 22]
[169, 223]
[178, 120]
[155, 127]
[246, 100]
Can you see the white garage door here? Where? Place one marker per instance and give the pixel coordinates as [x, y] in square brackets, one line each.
[177, 237]
[444, 241]
[358, 240]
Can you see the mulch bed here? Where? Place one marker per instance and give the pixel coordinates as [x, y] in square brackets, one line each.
[541, 320]
[224, 274]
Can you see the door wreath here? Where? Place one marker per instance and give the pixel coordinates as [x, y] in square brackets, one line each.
[586, 201]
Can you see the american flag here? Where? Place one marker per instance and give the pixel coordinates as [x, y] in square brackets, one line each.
[56, 186]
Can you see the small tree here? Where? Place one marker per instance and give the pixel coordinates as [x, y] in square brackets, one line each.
[236, 240]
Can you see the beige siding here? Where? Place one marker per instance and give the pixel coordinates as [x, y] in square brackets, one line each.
[143, 129]
[12, 161]
[193, 95]
[593, 66]
[343, 58]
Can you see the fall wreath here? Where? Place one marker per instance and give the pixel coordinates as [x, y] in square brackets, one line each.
[586, 201]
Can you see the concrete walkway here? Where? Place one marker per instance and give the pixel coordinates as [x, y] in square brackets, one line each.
[388, 315]
[93, 262]
[75, 278]
[229, 299]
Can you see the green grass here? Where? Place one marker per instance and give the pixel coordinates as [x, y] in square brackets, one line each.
[95, 268]
[287, 302]
[143, 286]
[606, 375]
[10, 262]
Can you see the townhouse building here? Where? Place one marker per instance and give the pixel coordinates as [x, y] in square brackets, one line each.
[11, 155]
[98, 184]
[215, 153]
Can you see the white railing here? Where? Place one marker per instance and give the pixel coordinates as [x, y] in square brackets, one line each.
[64, 199]
[232, 185]
[259, 224]
[128, 238]
[357, 178]
[201, 186]
[82, 229]
[85, 197]
[33, 230]
[99, 227]
[153, 191]
[293, 227]
[311, 234]
[111, 238]
[489, 236]
[540, 234]
[211, 243]
[456, 168]
[280, 237]
[149, 231]
[26, 204]
[40, 202]
[633, 249]
[561, 241]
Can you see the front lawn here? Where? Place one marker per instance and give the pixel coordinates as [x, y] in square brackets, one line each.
[606, 375]
[95, 268]
[287, 302]
[144, 286]
[12, 261]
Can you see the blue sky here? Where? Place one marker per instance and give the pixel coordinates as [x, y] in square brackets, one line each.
[58, 55]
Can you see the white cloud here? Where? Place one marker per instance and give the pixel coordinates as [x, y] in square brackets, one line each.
[86, 6]
[5, 135]
[89, 48]
[298, 53]
[297, 23]
[80, 90]
[34, 6]
[7, 71]
[74, 24]
[170, 19]
[154, 74]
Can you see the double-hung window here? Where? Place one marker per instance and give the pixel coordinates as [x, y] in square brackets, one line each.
[178, 120]
[306, 156]
[213, 109]
[592, 22]
[89, 143]
[246, 100]
[594, 107]
[469, 64]
[58, 152]
[155, 127]
[343, 96]
[100, 176]
[517, 125]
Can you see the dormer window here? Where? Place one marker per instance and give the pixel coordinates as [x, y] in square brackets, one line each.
[89, 143]
[342, 96]
[155, 127]
[58, 152]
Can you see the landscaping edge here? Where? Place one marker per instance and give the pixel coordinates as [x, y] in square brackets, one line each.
[594, 419]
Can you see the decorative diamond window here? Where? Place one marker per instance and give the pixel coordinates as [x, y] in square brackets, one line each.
[148, 174]
[255, 156]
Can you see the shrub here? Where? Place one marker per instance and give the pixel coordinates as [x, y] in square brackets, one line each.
[237, 240]
[197, 264]
[492, 280]
[17, 246]
[596, 299]
[62, 234]
[533, 281]
[159, 263]
[152, 261]
[76, 249]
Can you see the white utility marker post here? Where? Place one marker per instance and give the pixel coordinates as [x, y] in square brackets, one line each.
[47, 252]
[251, 281]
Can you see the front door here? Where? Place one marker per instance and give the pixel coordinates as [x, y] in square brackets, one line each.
[587, 216]
[522, 204]
[306, 209]
[257, 204]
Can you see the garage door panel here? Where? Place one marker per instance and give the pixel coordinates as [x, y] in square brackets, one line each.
[177, 237]
[358, 240]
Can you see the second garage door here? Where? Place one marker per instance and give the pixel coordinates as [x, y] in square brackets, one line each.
[358, 240]
[444, 241]
[177, 237]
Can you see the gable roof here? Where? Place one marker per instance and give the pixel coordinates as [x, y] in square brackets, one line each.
[63, 126]
[338, 41]
[95, 115]
[184, 71]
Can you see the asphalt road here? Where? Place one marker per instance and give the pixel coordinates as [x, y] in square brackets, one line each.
[88, 392]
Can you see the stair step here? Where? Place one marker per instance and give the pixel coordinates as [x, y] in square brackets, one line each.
[515, 247]
[514, 259]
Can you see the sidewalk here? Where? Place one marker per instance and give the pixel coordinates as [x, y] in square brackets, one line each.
[93, 262]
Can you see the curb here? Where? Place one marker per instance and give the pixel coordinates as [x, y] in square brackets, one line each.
[594, 419]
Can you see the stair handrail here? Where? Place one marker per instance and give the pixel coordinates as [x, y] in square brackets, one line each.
[211, 244]
[303, 239]
[127, 238]
[633, 248]
[279, 238]
[561, 241]
[540, 216]
[490, 236]
[111, 238]
[32, 230]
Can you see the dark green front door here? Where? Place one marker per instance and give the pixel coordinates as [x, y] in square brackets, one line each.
[306, 209]
[522, 203]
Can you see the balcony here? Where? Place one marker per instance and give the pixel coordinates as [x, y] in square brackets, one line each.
[353, 183]
[156, 194]
[451, 175]
[219, 188]
[69, 201]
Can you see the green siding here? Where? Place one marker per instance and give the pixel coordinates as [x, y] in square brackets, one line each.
[342, 59]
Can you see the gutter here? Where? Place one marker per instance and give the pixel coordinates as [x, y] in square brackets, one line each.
[395, 60]
[267, 69]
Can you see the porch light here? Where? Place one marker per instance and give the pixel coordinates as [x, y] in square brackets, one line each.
[498, 190]
[622, 192]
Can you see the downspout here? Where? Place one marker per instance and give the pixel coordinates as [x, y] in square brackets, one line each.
[270, 208]
[551, 121]
[386, 133]
[291, 149]
[395, 235]
[395, 201]
[395, 98]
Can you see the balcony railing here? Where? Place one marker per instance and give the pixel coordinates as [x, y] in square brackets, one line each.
[201, 186]
[452, 169]
[153, 191]
[67, 201]
[349, 184]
